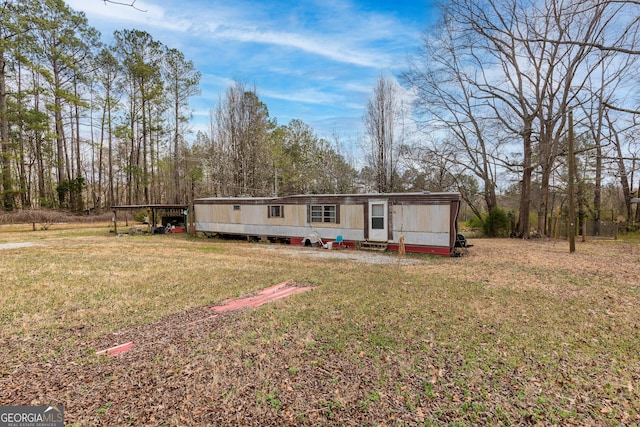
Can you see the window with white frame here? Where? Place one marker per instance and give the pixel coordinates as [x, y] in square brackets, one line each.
[276, 211]
[323, 213]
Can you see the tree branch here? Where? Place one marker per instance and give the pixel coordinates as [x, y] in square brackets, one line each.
[620, 109]
[598, 46]
[132, 4]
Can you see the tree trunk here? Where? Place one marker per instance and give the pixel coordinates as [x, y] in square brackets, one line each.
[597, 191]
[622, 170]
[112, 197]
[25, 193]
[8, 201]
[78, 185]
[60, 143]
[176, 152]
[525, 196]
[131, 160]
[145, 142]
[40, 169]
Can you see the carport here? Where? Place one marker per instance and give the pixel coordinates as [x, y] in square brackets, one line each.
[169, 214]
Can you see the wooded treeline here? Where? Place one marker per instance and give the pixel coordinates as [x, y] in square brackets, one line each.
[87, 125]
[482, 110]
[247, 153]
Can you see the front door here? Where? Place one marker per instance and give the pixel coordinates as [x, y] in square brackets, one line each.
[378, 221]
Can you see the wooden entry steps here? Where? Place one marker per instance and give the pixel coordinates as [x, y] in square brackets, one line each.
[374, 246]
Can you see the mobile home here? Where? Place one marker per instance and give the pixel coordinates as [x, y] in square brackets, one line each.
[427, 221]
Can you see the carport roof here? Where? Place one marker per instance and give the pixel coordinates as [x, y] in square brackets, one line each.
[149, 206]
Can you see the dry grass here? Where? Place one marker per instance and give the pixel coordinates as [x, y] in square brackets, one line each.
[43, 219]
[516, 333]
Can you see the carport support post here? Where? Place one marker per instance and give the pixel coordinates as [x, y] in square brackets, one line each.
[189, 220]
[185, 214]
[115, 223]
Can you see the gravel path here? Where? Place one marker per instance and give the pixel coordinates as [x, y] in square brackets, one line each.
[16, 245]
[368, 257]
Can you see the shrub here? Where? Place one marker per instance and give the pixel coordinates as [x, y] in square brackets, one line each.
[474, 222]
[496, 223]
[141, 216]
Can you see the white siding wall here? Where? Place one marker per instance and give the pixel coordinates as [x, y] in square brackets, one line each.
[253, 220]
[422, 224]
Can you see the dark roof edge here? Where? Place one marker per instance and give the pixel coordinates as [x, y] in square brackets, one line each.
[151, 206]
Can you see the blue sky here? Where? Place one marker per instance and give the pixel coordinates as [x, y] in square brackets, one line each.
[316, 61]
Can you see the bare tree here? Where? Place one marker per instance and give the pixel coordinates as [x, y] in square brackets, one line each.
[382, 119]
[615, 75]
[452, 110]
[241, 128]
[523, 65]
[623, 172]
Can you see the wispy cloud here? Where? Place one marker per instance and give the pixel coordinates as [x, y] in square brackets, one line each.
[334, 30]
[325, 47]
[308, 96]
[337, 31]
